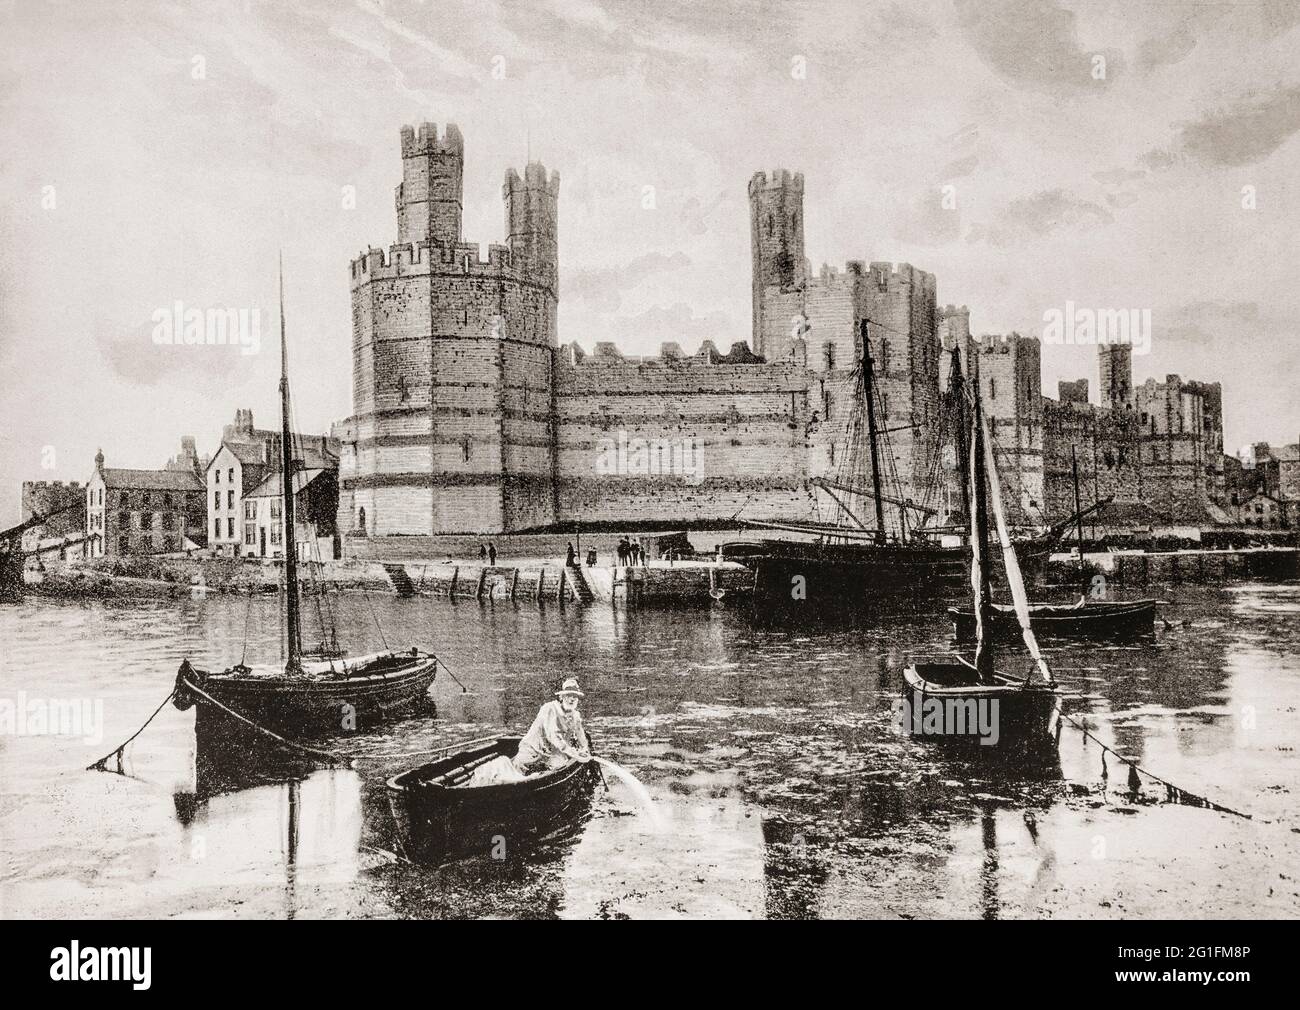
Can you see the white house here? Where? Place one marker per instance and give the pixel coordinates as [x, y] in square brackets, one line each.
[315, 501]
[236, 468]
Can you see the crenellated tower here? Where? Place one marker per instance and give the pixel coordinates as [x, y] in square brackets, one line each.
[453, 356]
[531, 213]
[776, 239]
[429, 196]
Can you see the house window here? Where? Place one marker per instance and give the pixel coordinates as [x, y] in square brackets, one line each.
[216, 499]
[830, 357]
[771, 225]
[277, 508]
[250, 510]
[123, 545]
[217, 474]
[275, 534]
[230, 499]
[146, 520]
[230, 528]
[168, 521]
[993, 388]
[230, 475]
[216, 529]
[250, 534]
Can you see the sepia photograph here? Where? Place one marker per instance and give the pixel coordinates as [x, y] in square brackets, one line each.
[596, 459]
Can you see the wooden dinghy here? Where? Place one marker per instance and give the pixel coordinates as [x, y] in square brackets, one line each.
[440, 818]
[1093, 619]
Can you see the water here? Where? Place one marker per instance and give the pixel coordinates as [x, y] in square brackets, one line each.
[767, 751]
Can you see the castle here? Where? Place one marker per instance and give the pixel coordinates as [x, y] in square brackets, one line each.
[469, 415]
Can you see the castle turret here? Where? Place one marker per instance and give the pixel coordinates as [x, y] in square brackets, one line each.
[531, 213]
[776, 238]
[1116, 366]
[429, 196]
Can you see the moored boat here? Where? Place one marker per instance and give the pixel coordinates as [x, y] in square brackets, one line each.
[1087, 619]
[304, 698]
[961, 703]
[440, 818]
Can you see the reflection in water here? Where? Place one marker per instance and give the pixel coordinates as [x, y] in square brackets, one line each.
[768, 749]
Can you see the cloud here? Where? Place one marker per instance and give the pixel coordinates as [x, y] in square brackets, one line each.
[1033, 43]
[1244, 134]
[960, 168]
[1211, 323]
[603, 288]
[1032, 217]
[1167, 49]
[927, 222]
[134, 357]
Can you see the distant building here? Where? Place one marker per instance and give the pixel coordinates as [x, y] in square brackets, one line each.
[243, 462]
[64, 503]
[1262, 510]
[316, 497]
[143, 511]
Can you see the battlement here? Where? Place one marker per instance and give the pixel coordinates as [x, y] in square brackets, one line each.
[52, 485]
[606, 352]
[780, 178]
[461, 258]
[898, 276]
[535, 178]
[991, 343]
[428, 141]
[949, 311]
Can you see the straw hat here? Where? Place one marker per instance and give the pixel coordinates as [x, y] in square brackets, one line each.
[570, 686]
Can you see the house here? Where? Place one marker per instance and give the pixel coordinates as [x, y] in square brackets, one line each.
[246, 457]
[143, 511]
[316, 496]
[1262, 509]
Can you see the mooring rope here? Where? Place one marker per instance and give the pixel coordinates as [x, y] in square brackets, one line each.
[1175, 794]
[102, 764]
[324, 754]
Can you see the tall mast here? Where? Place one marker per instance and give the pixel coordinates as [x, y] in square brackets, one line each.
[980, 539]
[869, 396]
[1078, 511]
[293, 624]
[957, 383]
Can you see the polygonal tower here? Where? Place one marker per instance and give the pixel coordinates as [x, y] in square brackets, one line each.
[531, 211]
[452, 429]
[776, 238]
[429, 196]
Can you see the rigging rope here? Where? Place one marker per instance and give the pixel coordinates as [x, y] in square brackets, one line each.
[102, 764]
[1174, 794]
[313, 751]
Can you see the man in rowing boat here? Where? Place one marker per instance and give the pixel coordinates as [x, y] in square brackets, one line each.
[556, 736]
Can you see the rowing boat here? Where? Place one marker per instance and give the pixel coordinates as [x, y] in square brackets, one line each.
[441, 818]
[1093, 619]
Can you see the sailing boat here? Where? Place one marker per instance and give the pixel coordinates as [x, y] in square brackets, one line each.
[958, 702]
[856, 567]
[303, 698]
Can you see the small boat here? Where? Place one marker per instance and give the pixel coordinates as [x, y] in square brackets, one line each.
[957, 702]
[1085, 619]
[441, 819]
[331, 695]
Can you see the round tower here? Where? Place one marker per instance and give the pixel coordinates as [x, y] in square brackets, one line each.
[776, 237]
[531, 214]
[429, 195]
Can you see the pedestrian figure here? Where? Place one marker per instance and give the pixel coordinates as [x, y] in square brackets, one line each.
[482, 552]
[622, 551]
[591, 557]
[570, 559]
[492, 555]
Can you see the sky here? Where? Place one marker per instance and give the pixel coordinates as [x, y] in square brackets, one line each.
[1029, 153]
